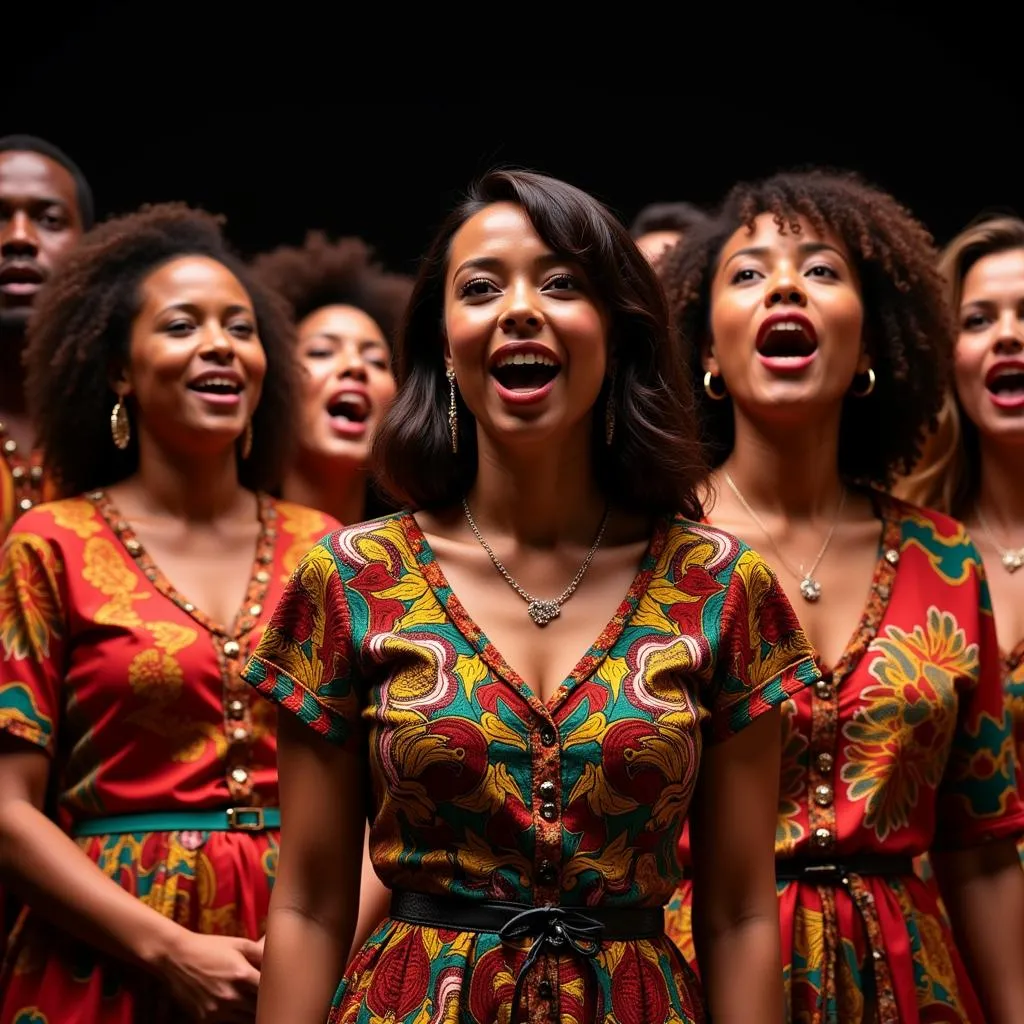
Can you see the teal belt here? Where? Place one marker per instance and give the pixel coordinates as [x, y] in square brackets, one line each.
[234, 819]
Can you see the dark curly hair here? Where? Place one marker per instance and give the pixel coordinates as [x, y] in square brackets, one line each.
[655, 462]
[81, 327]
[343, 273]
[908, 328]
[677, 216]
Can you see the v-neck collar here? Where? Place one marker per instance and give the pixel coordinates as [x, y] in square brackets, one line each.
[492, 657]
[259, 577]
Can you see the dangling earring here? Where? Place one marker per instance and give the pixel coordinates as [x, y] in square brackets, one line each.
[868, 388]
[609, 413]
[120, 425]
[709, 378]
[247, 441]
[453, 412]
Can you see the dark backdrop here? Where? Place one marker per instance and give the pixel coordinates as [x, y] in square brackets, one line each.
[375, 135]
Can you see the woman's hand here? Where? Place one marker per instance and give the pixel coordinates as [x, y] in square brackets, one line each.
[214, 977]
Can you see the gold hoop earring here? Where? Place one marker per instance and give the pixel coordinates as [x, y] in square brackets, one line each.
[864, 391]
[453, 412]
[120, 425]
[609, 414]
[709, 378]
[247, 441]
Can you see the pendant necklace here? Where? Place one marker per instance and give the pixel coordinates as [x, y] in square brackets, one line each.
[542, 612]
[1012, 558]
[810, 588]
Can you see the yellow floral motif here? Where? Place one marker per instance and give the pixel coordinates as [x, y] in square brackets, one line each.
[788, 830]
[155, 675]
[105, 569]
[171, 637]
[306, 525]
[30, 612]
[77, 515]
[902, 741]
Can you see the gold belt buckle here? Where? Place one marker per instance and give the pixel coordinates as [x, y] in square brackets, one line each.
[246, 819]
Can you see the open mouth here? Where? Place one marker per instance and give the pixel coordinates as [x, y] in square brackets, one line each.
[787, 339]
[1006, 383]
[216, 386]
[522, 372]
[349, 407]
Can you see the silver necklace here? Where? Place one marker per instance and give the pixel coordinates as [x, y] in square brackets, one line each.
[1012, 558]
[810, 588]
[542, 612]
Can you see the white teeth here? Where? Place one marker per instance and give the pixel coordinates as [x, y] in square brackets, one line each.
[526, 359]
[786, 325]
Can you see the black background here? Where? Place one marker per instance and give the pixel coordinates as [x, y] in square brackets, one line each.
[372, 126]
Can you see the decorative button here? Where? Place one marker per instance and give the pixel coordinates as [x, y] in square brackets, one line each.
[262, 577]
[822, 837]
[231, 649]
[547, 790]
[18, 472]
[892, 556]
[240, 775]
[265, 559]
[239, 735]
[548, 811]
[883, 591]
[877, 954]
[547, 736]
[25, 504]
[133, 546]
[824, 761]
[10, 446]
[255, 609]
[236, 709]
[36, 472]
[547, 873]
[544, 989]
[189, 606]
[823, 795]
[823, 689]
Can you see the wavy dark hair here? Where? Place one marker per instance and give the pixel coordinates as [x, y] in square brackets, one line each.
[655, 461]
[677, 216]
[908, 328]
[81, 327]
[345, 272]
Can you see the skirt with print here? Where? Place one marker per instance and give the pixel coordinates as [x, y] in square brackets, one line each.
[217, 883]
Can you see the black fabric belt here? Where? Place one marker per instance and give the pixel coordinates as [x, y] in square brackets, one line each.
[554, 928]
[837, 870]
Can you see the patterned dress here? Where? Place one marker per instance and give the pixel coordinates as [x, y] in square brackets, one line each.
[23, 484]
[135, 695]
[1013, 675]
[902, 747]
[481, 790]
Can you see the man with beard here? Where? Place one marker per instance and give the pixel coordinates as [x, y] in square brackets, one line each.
[45, 206]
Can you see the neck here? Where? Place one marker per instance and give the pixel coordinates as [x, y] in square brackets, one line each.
[336, 488]
[540, 495]
[12, 371]
[186, 487]
[793, 472]
[1001, 495]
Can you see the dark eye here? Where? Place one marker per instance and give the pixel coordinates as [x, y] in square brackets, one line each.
[318, 353]
[745, 276]
[381, 362]
[822, 270]
[53, 220]
[974, 321]
[179, 328]
[243, 329]
[477, 287]
[563, 283]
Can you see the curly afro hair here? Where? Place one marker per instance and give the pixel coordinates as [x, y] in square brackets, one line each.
[81, 328]
[343, 273]
[908, 329]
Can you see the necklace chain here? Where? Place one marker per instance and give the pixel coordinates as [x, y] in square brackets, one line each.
[810, 588]
[541, 611]
[1012, 558]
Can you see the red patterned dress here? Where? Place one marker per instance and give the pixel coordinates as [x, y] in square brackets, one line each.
[902, 747]
[481, 790]
[1013, 669]
[136, 697]
[23, 484]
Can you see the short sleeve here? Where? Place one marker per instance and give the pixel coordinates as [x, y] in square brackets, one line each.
[763, 656]
[978, 798]
[33, 640]
[304, 661]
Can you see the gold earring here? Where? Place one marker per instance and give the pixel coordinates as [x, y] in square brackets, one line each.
[717, 396]
[453, 412]
[865, 391]
[609, 413]
[247, 440]
[120, 425]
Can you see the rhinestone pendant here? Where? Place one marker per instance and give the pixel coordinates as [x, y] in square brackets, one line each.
[810, 588]
[1013, 560]
[542, 612]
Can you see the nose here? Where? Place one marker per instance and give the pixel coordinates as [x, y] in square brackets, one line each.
[218, 345]
[18, 237]
[351, 363]
[1008, 340]
[521, 317]
[785, 289]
